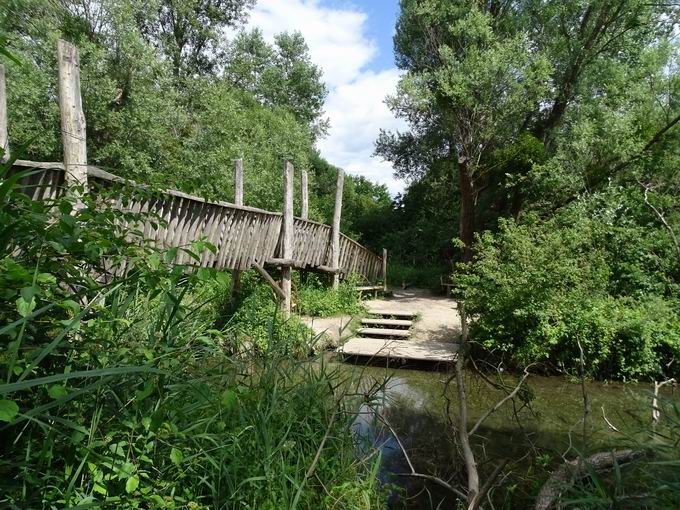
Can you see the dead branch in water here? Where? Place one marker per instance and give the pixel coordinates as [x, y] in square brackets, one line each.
[571, 471]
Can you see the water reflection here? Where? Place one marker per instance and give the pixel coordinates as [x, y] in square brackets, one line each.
[536, 433]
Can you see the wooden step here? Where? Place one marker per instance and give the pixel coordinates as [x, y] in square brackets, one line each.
[393, 313]
[399, 349]
[395, 323]
[402, 333]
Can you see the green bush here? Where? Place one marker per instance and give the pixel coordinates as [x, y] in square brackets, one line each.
[538, 289]
[317, 299]
[257, 320]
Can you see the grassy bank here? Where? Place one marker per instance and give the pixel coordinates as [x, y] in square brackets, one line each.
[124, 385]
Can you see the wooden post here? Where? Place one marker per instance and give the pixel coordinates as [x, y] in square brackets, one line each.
[287, 236]
[238, 182]
[335, 237]
[72, 117]
[4, 138]
[384, 269]
[304, 213]
[238, 200]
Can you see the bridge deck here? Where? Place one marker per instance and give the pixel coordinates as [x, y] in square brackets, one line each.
[399, 349]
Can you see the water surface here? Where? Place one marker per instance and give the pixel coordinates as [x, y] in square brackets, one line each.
[532, 436]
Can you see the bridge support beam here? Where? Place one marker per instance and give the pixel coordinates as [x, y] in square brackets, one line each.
[272, 283]
[287, 238]
[384, 269]
[335, 232]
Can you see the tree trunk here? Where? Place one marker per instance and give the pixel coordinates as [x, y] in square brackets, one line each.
[467, 208]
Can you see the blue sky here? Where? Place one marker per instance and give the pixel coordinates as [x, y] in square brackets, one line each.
[351, 40]
[382, 16]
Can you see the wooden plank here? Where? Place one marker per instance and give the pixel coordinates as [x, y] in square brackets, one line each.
[393, 313]
[384, 332]
[4, 137]
[287, 233]
[388, 322]
[72, 116]
[337, 215]
[400, 349]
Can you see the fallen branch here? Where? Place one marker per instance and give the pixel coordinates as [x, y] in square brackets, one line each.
[565, 476]
[656, 413]
[611, 425]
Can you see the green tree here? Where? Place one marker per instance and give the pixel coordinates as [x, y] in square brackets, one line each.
[479, 79]
[189, 32]
[472, 75]
[281, 75]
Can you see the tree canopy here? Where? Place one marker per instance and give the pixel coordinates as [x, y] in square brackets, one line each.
[548, 132]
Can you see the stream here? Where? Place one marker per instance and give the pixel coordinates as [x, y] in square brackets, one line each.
[533, 440]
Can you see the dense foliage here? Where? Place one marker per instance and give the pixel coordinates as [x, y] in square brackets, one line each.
[315, 299]
[551, 127]
[171, 100]
[121, 388]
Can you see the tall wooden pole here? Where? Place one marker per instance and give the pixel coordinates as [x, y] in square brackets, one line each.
[304, 213]
[4, 138]
[72, 116]
[287, 236]
[384, 269]
[238, 200]
[238, 182]
[335, 237]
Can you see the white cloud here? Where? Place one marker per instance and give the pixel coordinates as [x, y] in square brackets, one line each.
[357, 112]
[339, 45]
[335, 36]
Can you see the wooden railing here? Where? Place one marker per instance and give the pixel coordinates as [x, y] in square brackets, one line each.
[243, 236]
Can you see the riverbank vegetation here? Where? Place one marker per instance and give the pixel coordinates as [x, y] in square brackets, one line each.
[543, 137]
[120, 387]
[129, 381]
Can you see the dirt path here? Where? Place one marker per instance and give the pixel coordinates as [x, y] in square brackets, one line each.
[438, 318]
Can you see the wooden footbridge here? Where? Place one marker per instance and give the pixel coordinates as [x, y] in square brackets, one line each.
[244, 237]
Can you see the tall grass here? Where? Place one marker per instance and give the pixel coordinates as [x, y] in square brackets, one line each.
[120, 389]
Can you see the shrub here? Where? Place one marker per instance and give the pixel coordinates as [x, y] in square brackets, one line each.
[537, 290]
[425, 277]
[317, 299]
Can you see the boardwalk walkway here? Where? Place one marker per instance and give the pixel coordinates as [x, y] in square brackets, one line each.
[432, 337]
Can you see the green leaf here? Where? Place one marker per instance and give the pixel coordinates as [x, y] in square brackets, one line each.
[57, 391]
[229, 400]
[25, 307]
[8, 410]
[145, 391]
[131, 484]
[176, 456]
[47, 278]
